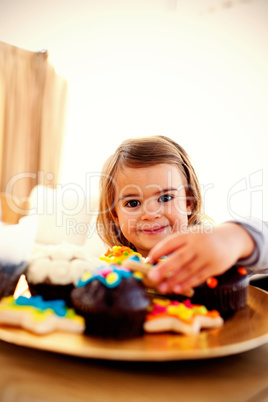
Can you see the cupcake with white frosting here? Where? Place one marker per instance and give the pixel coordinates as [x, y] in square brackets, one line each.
[54, 270]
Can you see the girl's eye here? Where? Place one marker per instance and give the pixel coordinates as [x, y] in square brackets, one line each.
[132, 203]
[165, 198]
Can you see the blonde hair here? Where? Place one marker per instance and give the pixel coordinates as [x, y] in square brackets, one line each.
[138, 153]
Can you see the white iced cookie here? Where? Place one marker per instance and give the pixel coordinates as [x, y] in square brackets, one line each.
[39, 316]
[185, 318]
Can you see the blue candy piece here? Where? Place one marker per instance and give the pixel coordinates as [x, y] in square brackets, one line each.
[134, 258]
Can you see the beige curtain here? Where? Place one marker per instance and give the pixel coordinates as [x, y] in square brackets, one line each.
[32, 113]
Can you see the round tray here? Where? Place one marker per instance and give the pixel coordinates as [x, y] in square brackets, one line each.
[245, 330]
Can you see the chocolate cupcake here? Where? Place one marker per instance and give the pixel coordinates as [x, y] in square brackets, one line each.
[226, 293]
[113, 302]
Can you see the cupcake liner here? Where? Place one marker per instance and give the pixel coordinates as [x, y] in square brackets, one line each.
[226, 300]
[115, 325]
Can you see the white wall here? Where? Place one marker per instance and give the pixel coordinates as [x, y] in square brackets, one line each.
[193, 70]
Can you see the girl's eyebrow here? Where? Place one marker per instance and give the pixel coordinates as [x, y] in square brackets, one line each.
[165, 190]
[128, 196]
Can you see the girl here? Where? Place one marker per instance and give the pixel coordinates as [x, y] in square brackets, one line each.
[150, 200]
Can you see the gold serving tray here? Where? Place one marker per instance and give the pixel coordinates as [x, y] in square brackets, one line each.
[245, 330]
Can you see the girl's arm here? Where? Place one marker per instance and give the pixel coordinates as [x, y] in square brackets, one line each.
[257, 262]
[194, 256]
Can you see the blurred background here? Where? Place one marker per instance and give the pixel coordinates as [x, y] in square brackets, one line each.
[193, 70]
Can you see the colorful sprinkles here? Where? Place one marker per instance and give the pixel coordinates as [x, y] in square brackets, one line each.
[185, 310]
[118, 254]
[38, 305]
[40, 316]
[109, 276]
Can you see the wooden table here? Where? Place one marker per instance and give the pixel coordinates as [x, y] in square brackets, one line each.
[39, 376]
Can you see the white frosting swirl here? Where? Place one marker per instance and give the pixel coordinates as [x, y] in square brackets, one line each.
[37, 270]
[59, 272]
[61, 253]
[60, 264]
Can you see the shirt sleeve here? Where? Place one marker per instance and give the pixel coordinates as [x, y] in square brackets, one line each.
[257, 262]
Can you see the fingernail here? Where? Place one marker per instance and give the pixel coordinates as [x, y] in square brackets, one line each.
[163, 287]
[153, 275]
[177, 288]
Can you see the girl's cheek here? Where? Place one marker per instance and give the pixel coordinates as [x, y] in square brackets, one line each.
[181, 208]
[180, 224]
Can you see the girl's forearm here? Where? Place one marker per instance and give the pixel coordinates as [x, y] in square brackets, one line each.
[239, 237]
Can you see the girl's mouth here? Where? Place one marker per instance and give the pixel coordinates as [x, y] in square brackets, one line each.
[154, 230]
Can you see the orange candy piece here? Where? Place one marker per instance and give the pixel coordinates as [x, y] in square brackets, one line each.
[108, 252]
[212, 282]
[242, 271]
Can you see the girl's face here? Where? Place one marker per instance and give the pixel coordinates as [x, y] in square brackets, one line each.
[150, 204]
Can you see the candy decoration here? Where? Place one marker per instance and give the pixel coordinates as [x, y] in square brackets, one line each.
[118, 254]
[39, 316]
[57, 306]
[110, 276]
[166, 315]
[136, 263]
[242, 271]
[212, 282]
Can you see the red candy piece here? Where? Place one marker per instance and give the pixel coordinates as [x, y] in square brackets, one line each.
[212, 282]
[187, 303]
[242, 271]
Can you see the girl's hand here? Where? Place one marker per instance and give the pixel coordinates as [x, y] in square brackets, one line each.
[198, 254]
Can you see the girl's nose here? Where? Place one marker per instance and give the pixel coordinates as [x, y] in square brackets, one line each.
[151, 210]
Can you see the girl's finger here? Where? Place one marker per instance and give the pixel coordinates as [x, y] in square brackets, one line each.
[182, 275]
[185, 272]
[173, 262]
[193, 281]
[165, 247]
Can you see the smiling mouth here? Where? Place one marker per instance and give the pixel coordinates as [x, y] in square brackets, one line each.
[153, 231]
